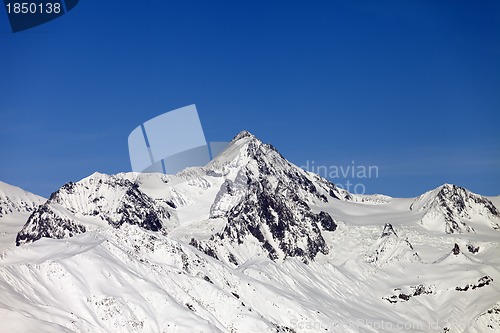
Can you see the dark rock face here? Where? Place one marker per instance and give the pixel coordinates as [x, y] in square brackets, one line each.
[414, 292]
[453, 199]
[390, 247]
[457, 204]
[456, 199]
[481, 282]
[327, 222]
[268, 201]
[137, 208]
[112, 199]
[456, 250]
[278, 223]
[270, 163]
[388, 230]
[205, 249]
[45, 222]
[472, 249]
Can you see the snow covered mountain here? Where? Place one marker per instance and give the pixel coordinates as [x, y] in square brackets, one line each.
[15, 200]
[263, 197]
[98, 198]
[391, 247]
[248, 243]
[453, 208]
[15, 207]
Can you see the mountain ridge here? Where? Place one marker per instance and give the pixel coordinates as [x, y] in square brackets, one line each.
[248, 242]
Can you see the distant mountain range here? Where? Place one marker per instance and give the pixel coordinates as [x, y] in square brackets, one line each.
[247, 243]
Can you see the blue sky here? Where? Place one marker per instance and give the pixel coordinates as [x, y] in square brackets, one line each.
[412, 87]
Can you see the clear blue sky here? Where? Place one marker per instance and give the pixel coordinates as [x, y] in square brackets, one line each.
[412, 87]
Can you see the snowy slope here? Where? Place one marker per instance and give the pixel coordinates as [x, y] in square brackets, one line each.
[15, 207]
[250, 243]
[15, 200]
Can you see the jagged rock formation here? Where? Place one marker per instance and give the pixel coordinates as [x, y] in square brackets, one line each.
[264, 199]
[454, 256]
[47, 222]
[413, 291]
[388, 230]
[452, 208]
[481, 282]
[13, 199]
[268, 202]
[472, 249]
[113, 199]
[389, 247]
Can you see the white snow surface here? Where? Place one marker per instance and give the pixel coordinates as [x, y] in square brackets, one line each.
[125, 278]
[15, 207]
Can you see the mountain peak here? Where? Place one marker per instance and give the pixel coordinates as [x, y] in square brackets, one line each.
[243, 134]
[388, 230]
[454, 256]
[454, 207]
[389, 247]
[447, 190]
[103, 199]
[15, 199]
